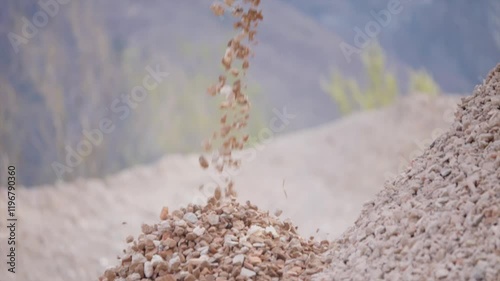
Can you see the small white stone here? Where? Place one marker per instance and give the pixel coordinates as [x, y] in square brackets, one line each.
[273, 231]
[238, 259]
[445, 172]
[138, 258]
[180, 223]
[199, 230]
[230, 240]
[148, 269]
[247, 273]
[255, 230]
[244, 249]
[173, 260]
[213, 219]
[164, 226]
[226, 90]
[156, 259]
[190, 217]
[203, 250]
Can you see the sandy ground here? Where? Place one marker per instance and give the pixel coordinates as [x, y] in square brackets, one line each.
[72, 232]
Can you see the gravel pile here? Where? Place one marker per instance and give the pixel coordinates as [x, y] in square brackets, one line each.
[440, 219]
[223, 240]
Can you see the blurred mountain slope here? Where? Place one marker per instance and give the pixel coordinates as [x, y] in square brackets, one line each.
[456, 41]
[293, 53]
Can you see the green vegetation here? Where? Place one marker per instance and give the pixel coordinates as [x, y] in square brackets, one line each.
[422, 82]
[381, 89]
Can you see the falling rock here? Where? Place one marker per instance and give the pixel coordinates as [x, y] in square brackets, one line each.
[129, 239]
[164, 213]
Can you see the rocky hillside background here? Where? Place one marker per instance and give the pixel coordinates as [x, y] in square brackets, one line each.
[458, 43]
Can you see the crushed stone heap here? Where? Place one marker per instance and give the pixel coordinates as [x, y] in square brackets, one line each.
[223, 240]
[440, 220]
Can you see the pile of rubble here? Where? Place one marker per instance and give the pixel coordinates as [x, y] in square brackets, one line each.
[223, 240]
[440, 220]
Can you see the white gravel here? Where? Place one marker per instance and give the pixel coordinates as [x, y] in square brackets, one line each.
[440, 220]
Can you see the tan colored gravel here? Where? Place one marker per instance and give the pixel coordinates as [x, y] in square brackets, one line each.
[220, 241]
[440, 220]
